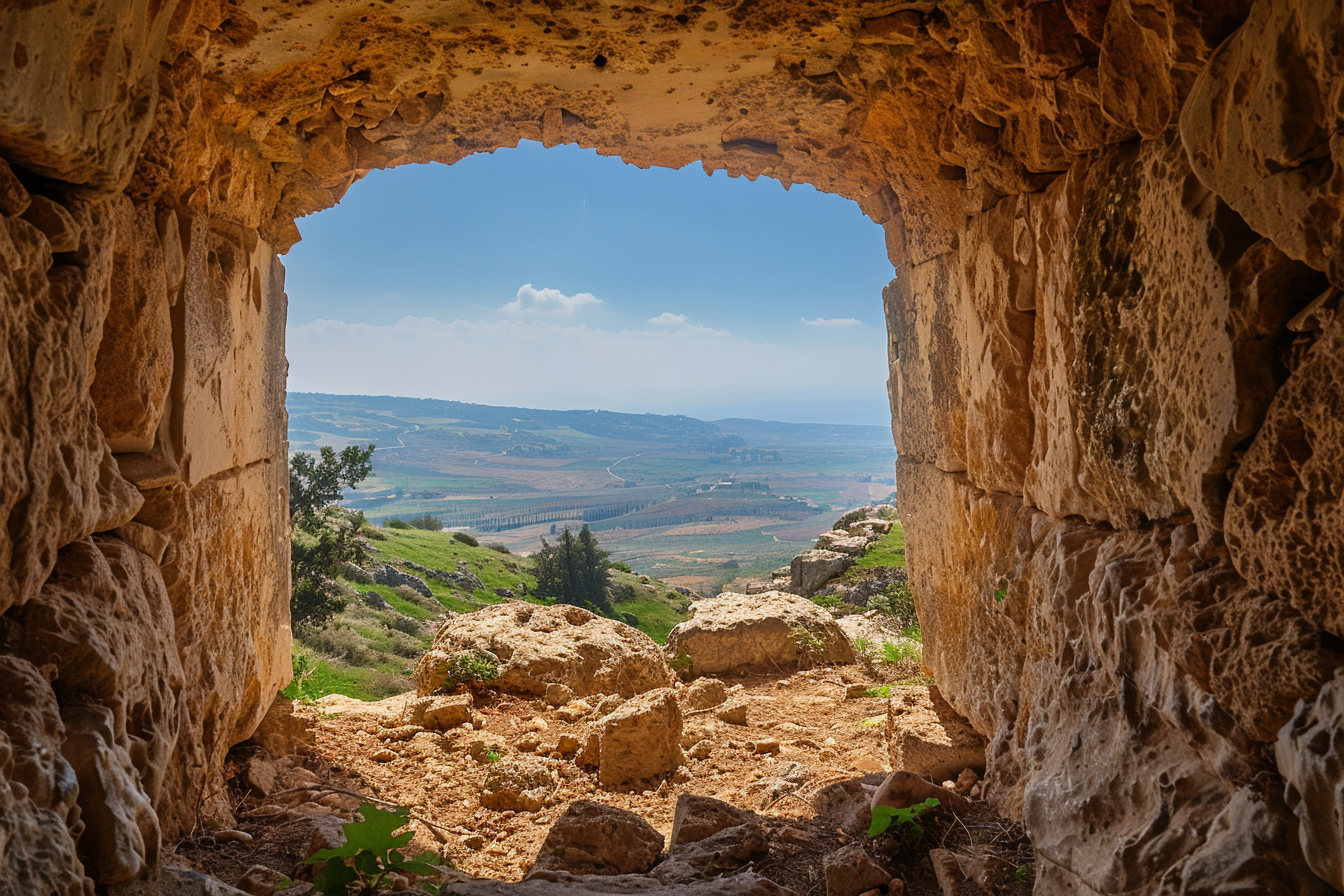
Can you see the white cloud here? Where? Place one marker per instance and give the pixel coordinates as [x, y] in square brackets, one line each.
[832, 322]
[685, 368]
[548, 301]
[668, 319]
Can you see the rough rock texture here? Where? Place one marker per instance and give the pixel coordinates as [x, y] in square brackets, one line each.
[758, 632]
[812, 569]
[927, 736]
[1309, 755]
[562, 883]
[698, 817]
[640, 740]
[593, 838]
[519, 784]
[1118, 235]
[538, 646]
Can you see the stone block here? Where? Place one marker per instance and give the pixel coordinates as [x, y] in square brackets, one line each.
[641, 740]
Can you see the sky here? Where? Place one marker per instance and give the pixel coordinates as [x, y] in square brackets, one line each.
[557, 278]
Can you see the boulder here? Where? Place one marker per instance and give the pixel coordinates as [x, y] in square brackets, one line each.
[812, 569]
[640, 740]
[758, 632]
[519, 784]
[925, 735]
[594, 838]
[376, 601]
[538, 646]
[438, 713]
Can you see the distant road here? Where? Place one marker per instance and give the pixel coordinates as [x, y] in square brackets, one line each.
[621, 461]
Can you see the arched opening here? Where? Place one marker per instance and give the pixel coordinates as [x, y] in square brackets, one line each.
[1114, 374]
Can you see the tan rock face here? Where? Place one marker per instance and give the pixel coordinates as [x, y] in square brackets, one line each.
[1112, 224]
[538, 646]
[741, 632]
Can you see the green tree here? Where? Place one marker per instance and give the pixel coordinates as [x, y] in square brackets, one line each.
[574, 571]
[325, 534]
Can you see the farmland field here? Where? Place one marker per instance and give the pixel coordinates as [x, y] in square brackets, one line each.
[688, 500]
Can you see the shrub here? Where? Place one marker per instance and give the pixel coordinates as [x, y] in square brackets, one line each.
[466, 539]
[616, 564]
[906, 820]
[427, 521]
[894, 652]
[498, 547]
[406, 625]
[630, 619]
[470, 667]
[372, 852]
[896, 600]
[393, 522]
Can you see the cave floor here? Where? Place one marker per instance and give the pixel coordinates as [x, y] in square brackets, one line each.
[800, 763]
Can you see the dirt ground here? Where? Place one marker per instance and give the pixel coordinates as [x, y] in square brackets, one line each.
[800, 762]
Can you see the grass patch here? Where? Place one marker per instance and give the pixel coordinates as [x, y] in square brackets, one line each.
[894, 652]
[888, 551]
[873, 721]
[879, 691]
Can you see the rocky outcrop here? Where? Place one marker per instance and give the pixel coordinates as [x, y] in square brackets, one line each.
[812, 569]
[385, 574]
[927, 737]
[757, 632]
[538, 646]
[1114, 362]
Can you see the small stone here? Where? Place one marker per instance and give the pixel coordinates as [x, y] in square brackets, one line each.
[558, 695]
[473, 841]
[698, 817]
[856, 691]
[703, 693]
[701, 750]
[259, 775]
[260, 881]
[568, 745]
[574, 711]
[383, 755]
[850, 871]
[767, 745]
[732, 714]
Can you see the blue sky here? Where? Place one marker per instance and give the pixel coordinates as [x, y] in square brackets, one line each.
[559, 278]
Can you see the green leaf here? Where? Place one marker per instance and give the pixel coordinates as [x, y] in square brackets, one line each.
[335, 879]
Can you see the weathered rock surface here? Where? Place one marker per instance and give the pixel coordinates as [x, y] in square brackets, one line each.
[640, 740]
[812, 569]
[927, 736]
[538, 646]
[1309, 755]
[850, 871]
[593, 838]
[384, 574]
[1111, 343]
[758, 632]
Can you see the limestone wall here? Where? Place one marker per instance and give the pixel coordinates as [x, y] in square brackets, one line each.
[1117, 232]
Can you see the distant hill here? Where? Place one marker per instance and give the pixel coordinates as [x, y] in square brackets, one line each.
[693, 502]
[603, 424]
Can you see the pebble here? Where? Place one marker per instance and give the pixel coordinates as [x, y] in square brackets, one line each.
[767, 745]
[383, 755]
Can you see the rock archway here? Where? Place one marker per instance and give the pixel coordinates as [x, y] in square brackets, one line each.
[1118, 234]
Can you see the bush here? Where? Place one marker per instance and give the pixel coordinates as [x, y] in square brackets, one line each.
[896, 601]
[471, 667]
[393, 522]
[406, 625]
[630, 619]
[497, 547]
[466, 539]
[427, 521]
[616, 564]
